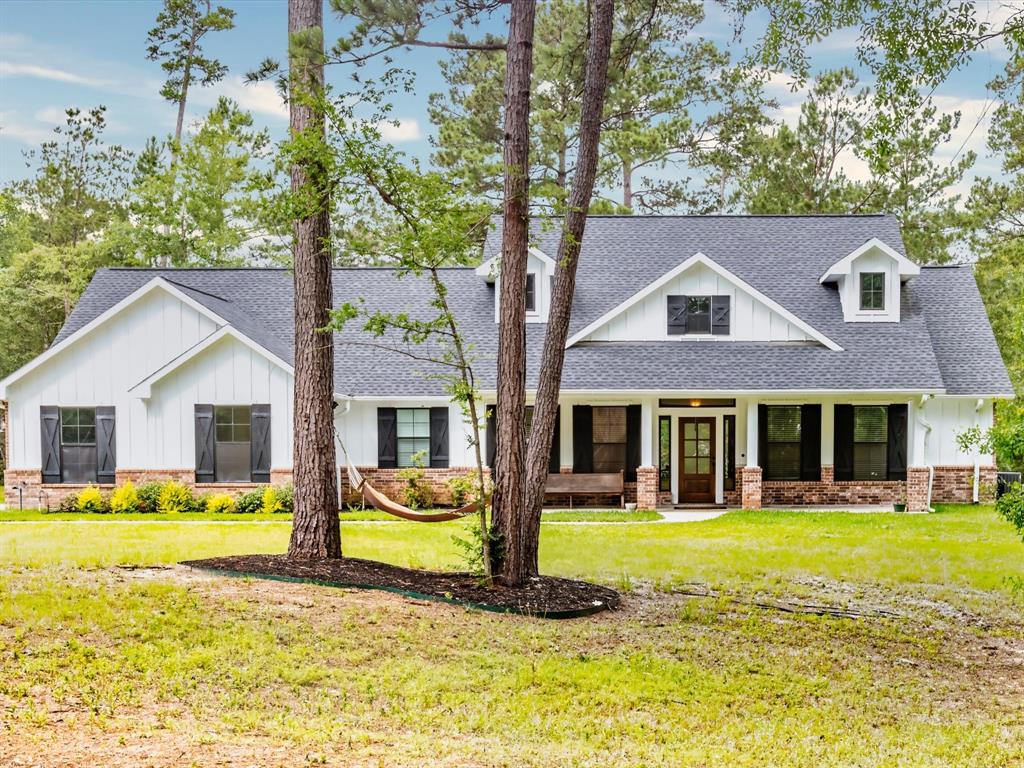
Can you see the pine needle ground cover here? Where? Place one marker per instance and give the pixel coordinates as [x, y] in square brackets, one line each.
[717, 656]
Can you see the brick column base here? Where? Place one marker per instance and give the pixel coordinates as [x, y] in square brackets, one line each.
[646, 487]
[917, 489]
[750, 483]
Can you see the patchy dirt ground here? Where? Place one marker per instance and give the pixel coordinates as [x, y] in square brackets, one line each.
[965, 656]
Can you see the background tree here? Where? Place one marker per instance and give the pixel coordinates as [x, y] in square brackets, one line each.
[78, 183]
[803, 169]
[315, 528]
[669, 96]
[205, 209]
[176, 42]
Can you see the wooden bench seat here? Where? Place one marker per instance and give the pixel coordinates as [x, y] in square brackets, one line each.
[595, 483]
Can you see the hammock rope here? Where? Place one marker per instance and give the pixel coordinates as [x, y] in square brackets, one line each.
[379, 501]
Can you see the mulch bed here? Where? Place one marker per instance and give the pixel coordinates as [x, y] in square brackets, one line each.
[543, 597]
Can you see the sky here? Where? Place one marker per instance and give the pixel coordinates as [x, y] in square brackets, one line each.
[60, 53]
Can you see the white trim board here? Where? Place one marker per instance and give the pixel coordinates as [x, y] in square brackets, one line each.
[700, 258]
[907, 268]
[154, 284]
[144, 388]
[488, 270]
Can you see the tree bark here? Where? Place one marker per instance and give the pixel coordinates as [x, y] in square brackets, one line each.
[545, 409]
[507, 502]
[627, 183]
[315, 528]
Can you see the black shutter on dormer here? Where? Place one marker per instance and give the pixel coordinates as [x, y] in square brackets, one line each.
[678, 321]
[720, 315]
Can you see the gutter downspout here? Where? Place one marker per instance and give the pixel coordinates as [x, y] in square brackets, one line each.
[921, 420]
[347, 408]
[977, 455]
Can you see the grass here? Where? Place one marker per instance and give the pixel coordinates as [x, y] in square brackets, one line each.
[957, 547]
[97, 663]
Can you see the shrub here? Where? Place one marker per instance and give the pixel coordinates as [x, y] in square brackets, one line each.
[90, 500]
[1011, 506]
[270, 503]
[221, 504]
[175, 498]
[252, 502]
[68, 503]
[462, 488]
[285, 499]
[149, 496]
[124, 500]
[418, 492]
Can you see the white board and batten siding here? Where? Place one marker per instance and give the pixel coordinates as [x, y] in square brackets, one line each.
[357, 425]
[101, 368]
[750, 319]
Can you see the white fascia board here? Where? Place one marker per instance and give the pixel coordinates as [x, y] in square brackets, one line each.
[144, 388]
[489, 269]
[157, 283]
[844, 266]
[700, 258]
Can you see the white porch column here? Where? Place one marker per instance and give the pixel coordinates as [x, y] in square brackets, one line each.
[918, 433]
[565, 436]
[752, 436]
[647, 433]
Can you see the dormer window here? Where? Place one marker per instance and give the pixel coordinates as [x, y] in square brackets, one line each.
[531, 292]
[698, 315]
[872, 291]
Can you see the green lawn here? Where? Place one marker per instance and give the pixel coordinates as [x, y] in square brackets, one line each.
[99, 665]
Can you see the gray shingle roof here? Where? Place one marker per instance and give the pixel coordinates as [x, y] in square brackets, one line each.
[943, 341]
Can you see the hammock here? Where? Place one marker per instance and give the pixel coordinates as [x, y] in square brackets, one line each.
[378, 500]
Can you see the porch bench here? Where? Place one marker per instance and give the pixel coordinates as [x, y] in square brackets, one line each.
[596, 483]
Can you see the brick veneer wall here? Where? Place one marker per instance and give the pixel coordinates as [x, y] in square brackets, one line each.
[917, 489]
[750, 487]
[647, 487]
[388, 482]
[830, 492]
[955, 484]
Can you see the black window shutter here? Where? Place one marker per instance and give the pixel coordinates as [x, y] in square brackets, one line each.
[896, 451]
[677, 317]
[762, 438]
[387, 438]
[491, 430]
[106, 445]
[260, 444]
[720, 314]
[810, 442]
[582, 439]
[843, 445]
[49, 423]
[633, 453]
[205, 464]
[439, 436]
[555, 463]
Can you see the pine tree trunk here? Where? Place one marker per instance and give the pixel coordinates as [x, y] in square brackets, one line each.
[509, 468]
[315, 529]
[545, 409]
[627, 184]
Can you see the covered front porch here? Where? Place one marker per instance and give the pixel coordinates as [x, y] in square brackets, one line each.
[701, 451]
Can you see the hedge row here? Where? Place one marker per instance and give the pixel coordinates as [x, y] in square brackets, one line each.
[173, 498]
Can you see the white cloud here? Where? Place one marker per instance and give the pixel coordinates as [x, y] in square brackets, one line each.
[13, 69]
[55, 115]
[261, 98]
[400, 130]
[28, 133]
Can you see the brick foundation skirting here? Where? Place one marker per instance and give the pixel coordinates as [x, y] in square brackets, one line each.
[750, 487]
[388, 482]
[647, 487]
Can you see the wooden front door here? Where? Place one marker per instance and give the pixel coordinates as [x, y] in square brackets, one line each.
[697, 460]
